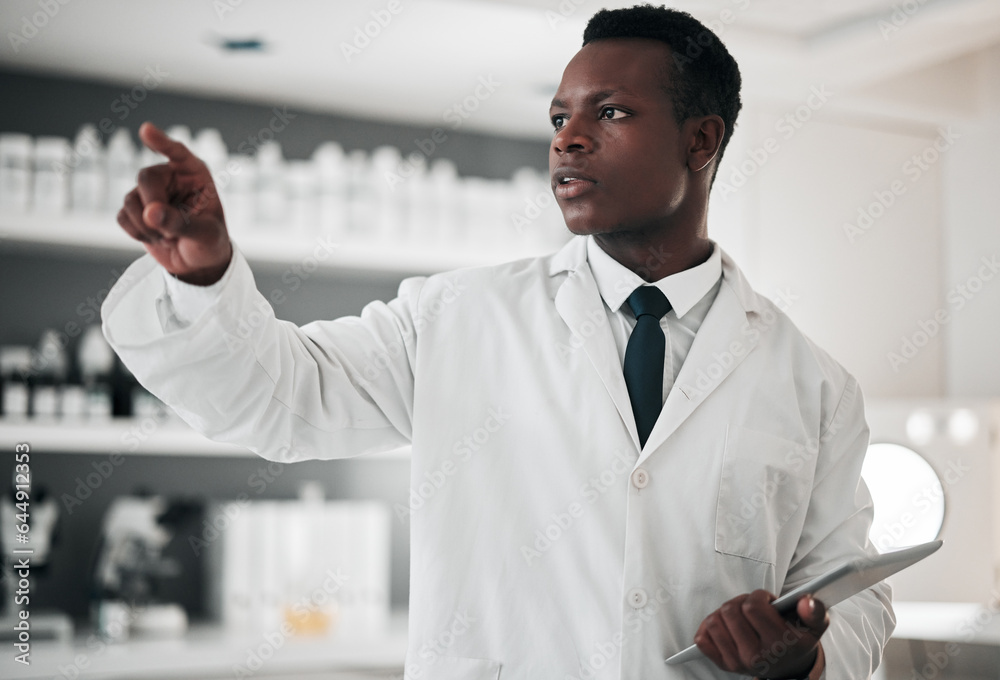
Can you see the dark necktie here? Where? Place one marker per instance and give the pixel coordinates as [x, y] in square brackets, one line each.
[644, 358]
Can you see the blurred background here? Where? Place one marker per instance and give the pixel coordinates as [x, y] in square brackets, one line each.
[356, 144]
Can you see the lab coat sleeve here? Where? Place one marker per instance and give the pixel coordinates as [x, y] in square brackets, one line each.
[836, 529]
[237, 374]
[182, 302]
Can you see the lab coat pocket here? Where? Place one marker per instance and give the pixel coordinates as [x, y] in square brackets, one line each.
[454, 668]
[759, 490]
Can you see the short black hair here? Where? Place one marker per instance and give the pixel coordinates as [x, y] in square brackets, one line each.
[703, 77]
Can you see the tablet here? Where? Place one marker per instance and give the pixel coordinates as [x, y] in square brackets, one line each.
[840, 583]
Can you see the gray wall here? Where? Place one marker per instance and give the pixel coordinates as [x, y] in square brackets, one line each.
[56, 106]
[46, 289]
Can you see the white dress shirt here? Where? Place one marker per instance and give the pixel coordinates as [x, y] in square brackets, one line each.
[690, 292]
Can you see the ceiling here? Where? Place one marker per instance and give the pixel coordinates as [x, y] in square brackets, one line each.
[431, 54]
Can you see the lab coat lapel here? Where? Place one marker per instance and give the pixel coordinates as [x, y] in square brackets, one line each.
[707, 364]
[580, 305]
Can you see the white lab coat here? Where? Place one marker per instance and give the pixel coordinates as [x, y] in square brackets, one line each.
[544, 543]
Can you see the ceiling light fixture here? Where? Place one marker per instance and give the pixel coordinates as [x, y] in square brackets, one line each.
[242, 45]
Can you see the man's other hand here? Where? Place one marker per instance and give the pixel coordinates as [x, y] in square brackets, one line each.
[175, 212]
[747, 635]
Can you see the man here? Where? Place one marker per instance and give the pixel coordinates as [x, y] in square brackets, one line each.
[608, 443]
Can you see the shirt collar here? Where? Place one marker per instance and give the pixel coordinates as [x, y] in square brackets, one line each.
[683, 289]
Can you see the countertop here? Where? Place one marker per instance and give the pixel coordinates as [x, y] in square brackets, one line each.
[210, 651]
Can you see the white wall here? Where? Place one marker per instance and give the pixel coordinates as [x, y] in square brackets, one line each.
[972, 233]
[855, 292]
[883, 295]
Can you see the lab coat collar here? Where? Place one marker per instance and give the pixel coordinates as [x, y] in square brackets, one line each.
[573, 255]
[581, 307]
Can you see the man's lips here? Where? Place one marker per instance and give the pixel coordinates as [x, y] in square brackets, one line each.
[573, 188]
[570, 183]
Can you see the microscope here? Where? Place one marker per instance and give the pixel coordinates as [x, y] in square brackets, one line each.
[131, 563]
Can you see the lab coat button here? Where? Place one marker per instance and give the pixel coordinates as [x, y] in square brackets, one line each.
[637, 598]
[640, 478]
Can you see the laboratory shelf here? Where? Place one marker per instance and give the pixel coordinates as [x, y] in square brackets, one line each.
[130, 436]
[101, 234]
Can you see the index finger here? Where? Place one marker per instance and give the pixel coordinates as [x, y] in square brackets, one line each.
[157, 140]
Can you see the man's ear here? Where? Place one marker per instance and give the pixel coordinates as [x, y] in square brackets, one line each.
[706, 134]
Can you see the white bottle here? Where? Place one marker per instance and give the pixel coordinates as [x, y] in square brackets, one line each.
[302, 179]
[361, 200]
[96, 360]
[421, 203]
[52, 171]
[74, 403]
[51, 359]
[15, 171]
[475, 214]
[89, 181]
[15, 366]
[524, 209]
[390, 197]
[50, 362]
[498, 229]
[445, 189]
[272, 201]
[121, 160]
[209, 146]
[241, 194]
[331, 165]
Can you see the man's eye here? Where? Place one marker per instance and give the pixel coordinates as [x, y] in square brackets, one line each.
[608, 113]
[558, 121]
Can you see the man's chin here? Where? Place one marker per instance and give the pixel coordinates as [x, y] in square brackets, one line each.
[581, 226]
[589, 228]
[591, 223]
[579, 231]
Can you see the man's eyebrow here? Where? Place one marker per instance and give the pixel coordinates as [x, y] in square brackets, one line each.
[595, 97]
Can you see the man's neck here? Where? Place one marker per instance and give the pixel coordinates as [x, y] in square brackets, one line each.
[655, 257]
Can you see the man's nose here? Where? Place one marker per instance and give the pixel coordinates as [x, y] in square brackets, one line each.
[573, 136]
